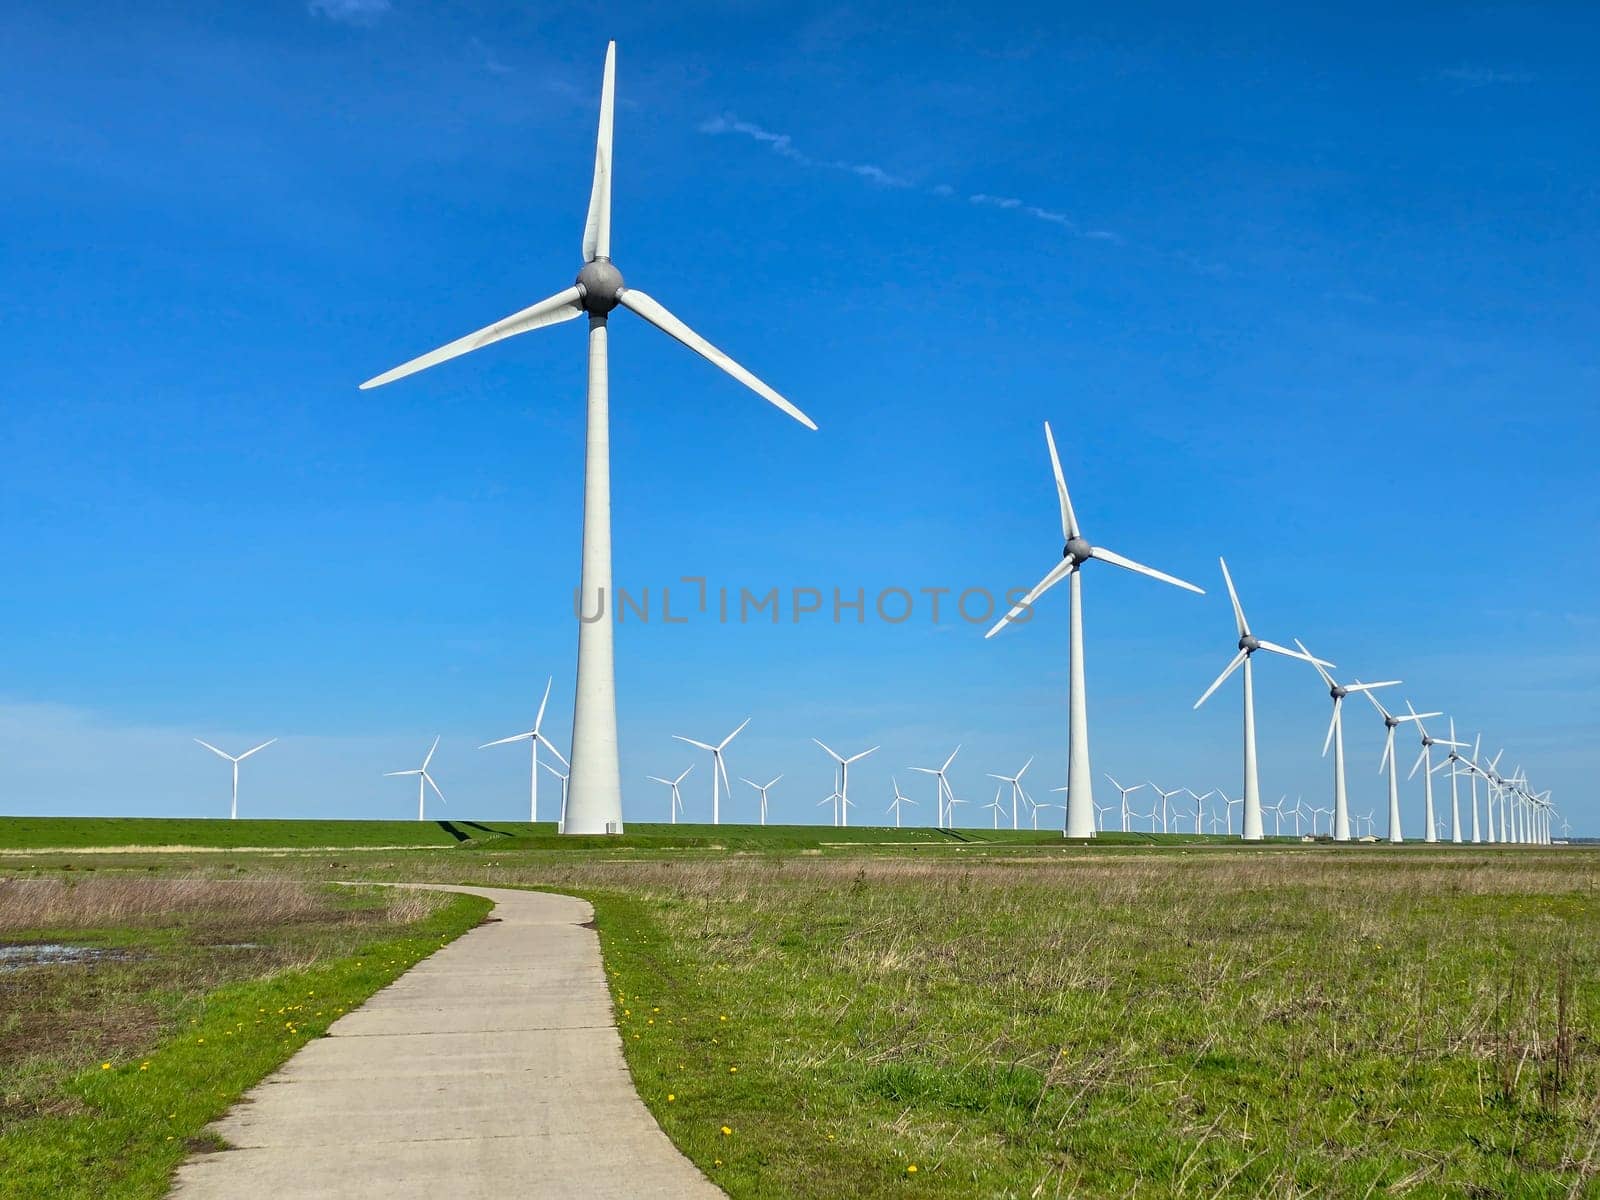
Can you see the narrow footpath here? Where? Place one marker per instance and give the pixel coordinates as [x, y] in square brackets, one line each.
[490, 1069]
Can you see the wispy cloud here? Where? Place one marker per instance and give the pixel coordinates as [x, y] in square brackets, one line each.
[783, 145]
[350, 12]
[487, 57]
[1468, 75]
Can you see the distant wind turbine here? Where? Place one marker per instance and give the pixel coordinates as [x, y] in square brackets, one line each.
[1166, 801]
[894, 806]
[1074, 554]
[1016, 789]
[719, 770]
[599, 289]
[534, 737]
[1248, 644]
[1126, 792]
[565, 777]
[1390, 724]
[945, 794]
[1341, 803]
[233, 812]
[844, 778]
[1425, 758]
[424, 780]
[763, 788]
[677, 798]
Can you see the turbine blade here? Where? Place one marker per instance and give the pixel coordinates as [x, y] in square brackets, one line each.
[692, 742]
[1388, 751]
[263, 746]
[1233, 596]
[652, 311]
[431, 749]
[1288, 653]
[825, 746]
[951, 759]
[1375, 703]
[1317, 663]
[1367, 687]
[1069, 519]
[389, 774]
[1218, 682]
[538, 721]
[597, 227]
[1056, 574]
[1421, 754]
[1128, 564]
[214, 750]
[563, 306]
[516, 737]
[433, 785]
[551, 746]
[863, 754]
[1333, 724]
[734, 734]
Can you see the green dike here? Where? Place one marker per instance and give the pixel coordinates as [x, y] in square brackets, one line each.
[143, 1115]
[41, 833]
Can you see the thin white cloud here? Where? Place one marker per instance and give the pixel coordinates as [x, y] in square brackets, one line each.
[350, 12]
[1468, 75]
[783, 145]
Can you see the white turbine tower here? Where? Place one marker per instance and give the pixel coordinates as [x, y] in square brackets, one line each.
[763, 788]
[844, 778]
[1074, 554]
[719, 771]
[1425, 758]
[534, 737]
[677, 797]
[1341, 803]
[596, 804]
[894, 806]
[1016, 789]
[565, 777]
[1390, 724]
[944, 793]
[424, 780]
[233, 812]
[1454, 761]
[1248, 645]
[1126, 792]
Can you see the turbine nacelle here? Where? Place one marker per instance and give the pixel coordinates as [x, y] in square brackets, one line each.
[600, 287]
[1249, 643]
[1077, 549]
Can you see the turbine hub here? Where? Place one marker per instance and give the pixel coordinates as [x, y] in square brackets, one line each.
[1076, 548]
[1249, 643]
[601, 284]
[1337, 692]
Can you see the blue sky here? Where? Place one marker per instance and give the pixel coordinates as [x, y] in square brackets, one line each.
[1315, 291]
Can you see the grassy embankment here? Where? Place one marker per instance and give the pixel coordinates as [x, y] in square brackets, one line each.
[111, 1068]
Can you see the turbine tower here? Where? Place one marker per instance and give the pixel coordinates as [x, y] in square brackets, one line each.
[894, 805]
[763, 788]
[1390, 724]
[1248, 644]
[719, 771]
[1426, 758]
[1341, 803]
[424, 780]
[1016, 788]
[1074, 554]
[534, 737]
[945, 794]
[844, 778]
[596, 792]
[233, 812]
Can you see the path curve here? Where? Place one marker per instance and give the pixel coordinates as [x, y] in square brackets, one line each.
[492, 1068]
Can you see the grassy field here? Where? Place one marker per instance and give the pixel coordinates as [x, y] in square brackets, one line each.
[1016, 1017]
[110, 1068]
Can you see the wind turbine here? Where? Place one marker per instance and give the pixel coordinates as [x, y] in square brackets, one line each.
[1016, 788]
[844, 777]
[1126, 792]
[233, 812]
[564, 776]
[1426, 757]
[1341, 804]
[599, 289]
[763, 788]
[996, 805]
[1454, 761]
[534, 737]
[424, 780]
[719, 772]
[677, 798]
[1199, 806]
[1248, 645]
[1074, 554]
[1166, 799]
[898, 801]
[1390, 723]
[945, 794]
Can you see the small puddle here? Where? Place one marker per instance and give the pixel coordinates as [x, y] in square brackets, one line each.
[49, 954]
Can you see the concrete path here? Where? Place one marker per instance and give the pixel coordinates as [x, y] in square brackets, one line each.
[490, 1069]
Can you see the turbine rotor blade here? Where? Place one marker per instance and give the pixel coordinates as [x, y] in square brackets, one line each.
[1326, 678]
[1288, 653]
[1422, 754]
[1056, 574]
[263, 746]
[563, 306]
[538, 721]
[1069, 519]
[551, 746]
[1220, 679]
[692, 742]
[652, 311]
[214, 750]
[830, 752]
[1128, 564]
[1333, 724]
[597, 226]
[431, 749]
[516, 737]
[1233, 596]
[734, 734]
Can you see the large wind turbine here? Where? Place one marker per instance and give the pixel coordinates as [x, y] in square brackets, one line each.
[1074, 554]
[1341, 804]
[1016, 788]
[1248, 644]
[595, 804]
[1126, 792]
[844, 778]
[1390, 724]
[945, 795]
[1454, 760]
[1425, 758]
[233, 812]
[534, 737]
[424, 780]
[719, 771]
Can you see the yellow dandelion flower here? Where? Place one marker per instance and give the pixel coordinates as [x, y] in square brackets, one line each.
[671, 1096]
[105, 1066]
[911, 1169]
[726, 1132]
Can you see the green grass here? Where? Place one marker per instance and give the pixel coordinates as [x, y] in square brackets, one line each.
[110, 1072]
